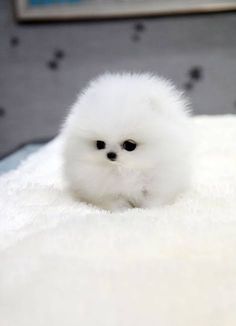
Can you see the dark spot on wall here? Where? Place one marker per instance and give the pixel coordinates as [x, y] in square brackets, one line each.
[59, 54]
[2, 112]
[139, 27]
[14, 41]
[52, 64]
[196, 73]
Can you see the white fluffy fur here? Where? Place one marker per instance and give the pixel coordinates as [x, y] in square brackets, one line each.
[117, 107]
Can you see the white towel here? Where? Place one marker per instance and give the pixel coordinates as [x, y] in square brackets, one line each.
[65, 263]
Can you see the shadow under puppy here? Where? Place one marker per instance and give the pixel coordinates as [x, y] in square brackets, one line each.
[128, 142]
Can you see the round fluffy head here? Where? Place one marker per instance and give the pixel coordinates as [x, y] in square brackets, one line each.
[137, 117]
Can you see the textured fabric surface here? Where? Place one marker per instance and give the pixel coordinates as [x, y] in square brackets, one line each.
[12, 161]
[65, 263]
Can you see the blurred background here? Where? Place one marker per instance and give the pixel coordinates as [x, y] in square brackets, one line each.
[50, 49]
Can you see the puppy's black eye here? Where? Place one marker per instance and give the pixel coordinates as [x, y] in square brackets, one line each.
[100, 144]
[129, 145]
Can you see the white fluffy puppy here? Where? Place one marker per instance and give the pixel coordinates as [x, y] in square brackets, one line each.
[128, 142]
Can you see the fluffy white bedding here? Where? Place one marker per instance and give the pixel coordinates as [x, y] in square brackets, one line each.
[65, 263]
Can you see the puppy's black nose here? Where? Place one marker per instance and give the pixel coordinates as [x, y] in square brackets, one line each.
[112, 156]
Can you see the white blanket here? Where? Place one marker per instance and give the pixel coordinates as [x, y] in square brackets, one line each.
[65, 263]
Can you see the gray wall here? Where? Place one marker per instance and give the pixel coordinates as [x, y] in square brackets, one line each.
[36, 98]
